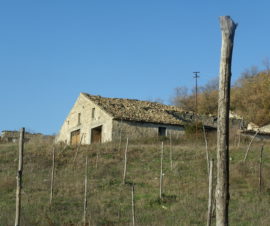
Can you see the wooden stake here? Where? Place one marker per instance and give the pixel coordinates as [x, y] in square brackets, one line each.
[78, 148]
[239, 137]
[210, 193]
[97, 153]
[120, 136]
[161, 172]
[52, 175]
[206, 149]
[249, 145]
[133, 204]
[171, 161]
[125, 163]
[19, 178]
[260, 169]
[85, 190]
[222, 190]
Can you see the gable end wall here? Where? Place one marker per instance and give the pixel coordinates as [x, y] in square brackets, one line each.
[84, 106]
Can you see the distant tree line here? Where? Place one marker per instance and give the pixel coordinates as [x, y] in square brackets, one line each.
[250, 96]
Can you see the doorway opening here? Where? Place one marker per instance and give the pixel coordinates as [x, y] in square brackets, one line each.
[162, 131]
[75, 137]
[96, 135]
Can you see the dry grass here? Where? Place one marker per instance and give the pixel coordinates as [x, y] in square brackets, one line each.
[185, 187]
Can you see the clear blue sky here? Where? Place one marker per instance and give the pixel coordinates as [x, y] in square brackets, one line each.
[50, 51]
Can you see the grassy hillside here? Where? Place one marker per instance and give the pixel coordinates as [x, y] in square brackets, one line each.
[185, 186]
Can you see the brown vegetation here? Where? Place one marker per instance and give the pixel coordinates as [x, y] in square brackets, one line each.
[250, 97]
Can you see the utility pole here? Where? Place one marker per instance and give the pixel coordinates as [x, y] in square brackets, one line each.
[196, 76]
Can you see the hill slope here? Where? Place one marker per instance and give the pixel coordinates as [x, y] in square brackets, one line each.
[185, 186]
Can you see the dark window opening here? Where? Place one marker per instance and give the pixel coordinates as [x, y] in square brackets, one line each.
[93, 113]
[162, 131]
[79, 118]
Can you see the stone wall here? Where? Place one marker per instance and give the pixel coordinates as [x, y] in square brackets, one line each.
[140, 129]
[80, 118]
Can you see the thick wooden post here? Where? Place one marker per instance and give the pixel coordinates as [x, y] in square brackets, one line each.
[52, 175]
[19, 178]
[222, 190]
[161, 173]
[210, 193]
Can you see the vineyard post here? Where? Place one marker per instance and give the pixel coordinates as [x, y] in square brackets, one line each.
[161, 172]
[19, 178]
[52, 175]
[125, 164]
[210, 193]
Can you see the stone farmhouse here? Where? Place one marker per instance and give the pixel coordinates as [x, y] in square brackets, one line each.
[96, 119]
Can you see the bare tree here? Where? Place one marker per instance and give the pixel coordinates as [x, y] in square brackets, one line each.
[222, 189]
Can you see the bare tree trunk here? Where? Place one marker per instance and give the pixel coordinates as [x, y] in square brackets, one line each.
[249, 145]
[206, 149]
[210, 193]
[171, 161]
[260, 169]
[85, 190]
[125, 163]
[222, 190]
[52, 175]
[161, 172]
[19, 178]
[133, 204]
